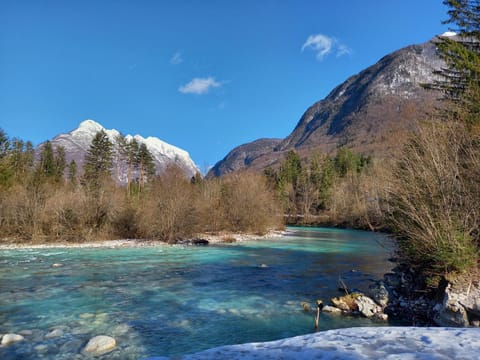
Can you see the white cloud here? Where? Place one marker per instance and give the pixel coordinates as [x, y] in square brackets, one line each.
[324, 45]
[199, 86]
[176, 58]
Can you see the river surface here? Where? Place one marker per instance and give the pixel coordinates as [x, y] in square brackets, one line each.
[174, 300]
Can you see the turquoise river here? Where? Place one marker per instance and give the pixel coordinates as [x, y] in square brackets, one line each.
[174, 300]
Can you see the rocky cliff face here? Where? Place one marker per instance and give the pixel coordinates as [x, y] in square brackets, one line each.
[371, 112]
[77, 143]
[242, 156]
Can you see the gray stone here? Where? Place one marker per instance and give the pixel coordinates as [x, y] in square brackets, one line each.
[8, 339]
[392, 280]
[54, 333]
[57, 265]
[72, 346]
[451, 312]
[121, 329]
[381, 316]
[41, 348]
[26, 332]
[100, 345]
[367, 306]
[331, 309]
[379, 293]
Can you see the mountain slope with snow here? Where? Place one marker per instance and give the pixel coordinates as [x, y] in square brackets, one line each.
[77, 143]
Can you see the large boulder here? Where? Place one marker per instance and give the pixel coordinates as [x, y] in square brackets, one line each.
[459, 304]
[100, 345]
[366, 306]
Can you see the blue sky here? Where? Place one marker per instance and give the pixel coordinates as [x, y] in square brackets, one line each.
[202, 75]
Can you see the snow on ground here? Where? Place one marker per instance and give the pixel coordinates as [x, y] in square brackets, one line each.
[391, 343]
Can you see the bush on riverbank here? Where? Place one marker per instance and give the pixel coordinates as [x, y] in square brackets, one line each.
[44, 206]
[435, 197]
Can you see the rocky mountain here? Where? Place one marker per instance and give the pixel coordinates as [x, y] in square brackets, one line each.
[243, 155]
[77, 142]
[371, 112]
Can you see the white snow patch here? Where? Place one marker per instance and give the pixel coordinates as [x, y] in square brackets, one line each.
[359, 343]
[449, 34]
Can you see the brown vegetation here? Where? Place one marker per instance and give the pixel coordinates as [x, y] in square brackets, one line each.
[168, 208]
[435, 197]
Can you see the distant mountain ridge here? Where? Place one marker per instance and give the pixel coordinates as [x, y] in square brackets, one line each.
[370, 112]
[77, 142]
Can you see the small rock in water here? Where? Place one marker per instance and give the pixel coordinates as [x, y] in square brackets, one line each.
[41, 348]
[86, 316]
[8, 339]
[381, 316]
[54, 333]
[305, 306]
[57, 265]
[121, 329]
[264, 266]
[331, 309]
[26, 332]
[100, 345]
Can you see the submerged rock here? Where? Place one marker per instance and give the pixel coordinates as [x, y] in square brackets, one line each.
[305, 306]
[8, 339]
[54, 333]
[100, 345]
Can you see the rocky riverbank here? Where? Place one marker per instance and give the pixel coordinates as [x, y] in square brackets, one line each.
[452, 303]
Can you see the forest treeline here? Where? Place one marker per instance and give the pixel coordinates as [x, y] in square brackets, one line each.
[42, 198]
[340, 190]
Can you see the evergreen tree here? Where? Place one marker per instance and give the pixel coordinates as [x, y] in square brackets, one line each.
[46, 167]
[60, 163]
[4, 144]
[6, 172]
[460, 80]
[72, 171]
[98, 160]
[146, 164]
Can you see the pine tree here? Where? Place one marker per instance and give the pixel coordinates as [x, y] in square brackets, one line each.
[60, 163]
[4, 144]
[72, 171]
[46, 167]
[98, 160]
[460, 80]
[146, 164]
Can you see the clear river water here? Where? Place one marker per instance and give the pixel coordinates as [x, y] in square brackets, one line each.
[174, 300]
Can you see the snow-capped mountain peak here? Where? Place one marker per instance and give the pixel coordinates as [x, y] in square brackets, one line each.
[77, 142]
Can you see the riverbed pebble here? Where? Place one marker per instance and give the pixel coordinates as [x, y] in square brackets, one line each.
[54, 333]
[100, 345]
[331, 309]
[8, 339]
